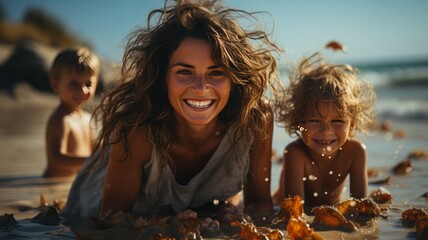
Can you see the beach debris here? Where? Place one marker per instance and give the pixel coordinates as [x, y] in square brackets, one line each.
[371, 172]
[189, 228]
[56, 203]
[298, 229]
[386, 180]
[411, 216]
[49, 216]
[359, 210]
[335, 46]
[250, 231]
[349, 208]
[329, 218]
[291, 207]
[386, 126]
[399, 133]
[8, 222]
[403, 167]
[418, 154]
[367, 207]
[111, 219]
[422, 228]
[381, 195]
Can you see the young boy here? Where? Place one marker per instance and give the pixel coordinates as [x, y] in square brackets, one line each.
[69, 138]
[325, 105]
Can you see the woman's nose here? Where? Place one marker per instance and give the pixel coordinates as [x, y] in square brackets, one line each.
[201, 83]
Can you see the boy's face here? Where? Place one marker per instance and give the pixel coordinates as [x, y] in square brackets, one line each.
[325, 130]
[75, 89]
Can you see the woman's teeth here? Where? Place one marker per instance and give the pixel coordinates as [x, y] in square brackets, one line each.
[199, 104]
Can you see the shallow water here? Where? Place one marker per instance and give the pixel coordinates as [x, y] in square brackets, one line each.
[22, 162]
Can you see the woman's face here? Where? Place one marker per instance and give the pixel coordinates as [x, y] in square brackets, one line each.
[198, 89]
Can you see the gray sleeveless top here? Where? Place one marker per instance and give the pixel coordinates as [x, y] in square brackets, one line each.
[223, 176]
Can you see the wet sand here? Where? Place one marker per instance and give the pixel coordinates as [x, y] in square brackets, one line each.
[22, 161]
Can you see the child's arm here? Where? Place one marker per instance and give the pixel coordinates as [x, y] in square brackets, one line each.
[123, 179]
[358, 173]
[257, 195]
[294, 169]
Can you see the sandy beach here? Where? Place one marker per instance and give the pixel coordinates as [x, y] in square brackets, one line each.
[22, 162]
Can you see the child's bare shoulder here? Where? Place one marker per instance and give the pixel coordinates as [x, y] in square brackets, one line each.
[296, 145]
[295, 149]
[354, 147]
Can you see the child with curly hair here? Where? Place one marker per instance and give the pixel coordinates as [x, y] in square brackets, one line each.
[325, 105]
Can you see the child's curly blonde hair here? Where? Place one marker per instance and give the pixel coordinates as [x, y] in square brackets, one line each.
[314, 81]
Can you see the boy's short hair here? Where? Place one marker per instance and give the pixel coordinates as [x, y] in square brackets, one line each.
[79, 60]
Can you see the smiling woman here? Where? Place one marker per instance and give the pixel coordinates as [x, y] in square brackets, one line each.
[189, 127]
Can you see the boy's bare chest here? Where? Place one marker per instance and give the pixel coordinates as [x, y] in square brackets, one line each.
[328, 171]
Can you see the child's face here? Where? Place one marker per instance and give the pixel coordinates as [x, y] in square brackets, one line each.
[75, 89]
[198, 89]
[325, 130]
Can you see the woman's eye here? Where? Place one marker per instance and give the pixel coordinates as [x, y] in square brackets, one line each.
[217, 73]
[184, 72]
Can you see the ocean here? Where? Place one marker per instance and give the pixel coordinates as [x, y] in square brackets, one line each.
[402, 101]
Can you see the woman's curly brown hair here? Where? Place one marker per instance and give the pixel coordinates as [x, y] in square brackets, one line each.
[141, 98]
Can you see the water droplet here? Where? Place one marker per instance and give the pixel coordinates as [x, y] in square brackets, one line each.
[338, 175]
[313, 163]
[388, 136]
[312, 177]
[226, 202]
[329, 148]
[325, 193]
[264, 169]
[266, 179]
[301, 129]
[331, 172]
[340, 149]
[304, 179]
[216, 201]
[322, 155]
[285, 151]
[329, 157]
[315, 194]
[264, 218]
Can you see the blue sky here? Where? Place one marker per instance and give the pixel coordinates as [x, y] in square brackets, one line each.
[372, 30]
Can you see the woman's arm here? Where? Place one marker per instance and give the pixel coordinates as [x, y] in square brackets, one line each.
[257, 194]
[123, 179]
[358, 173]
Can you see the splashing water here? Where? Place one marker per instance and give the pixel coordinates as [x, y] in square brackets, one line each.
[312, 177]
